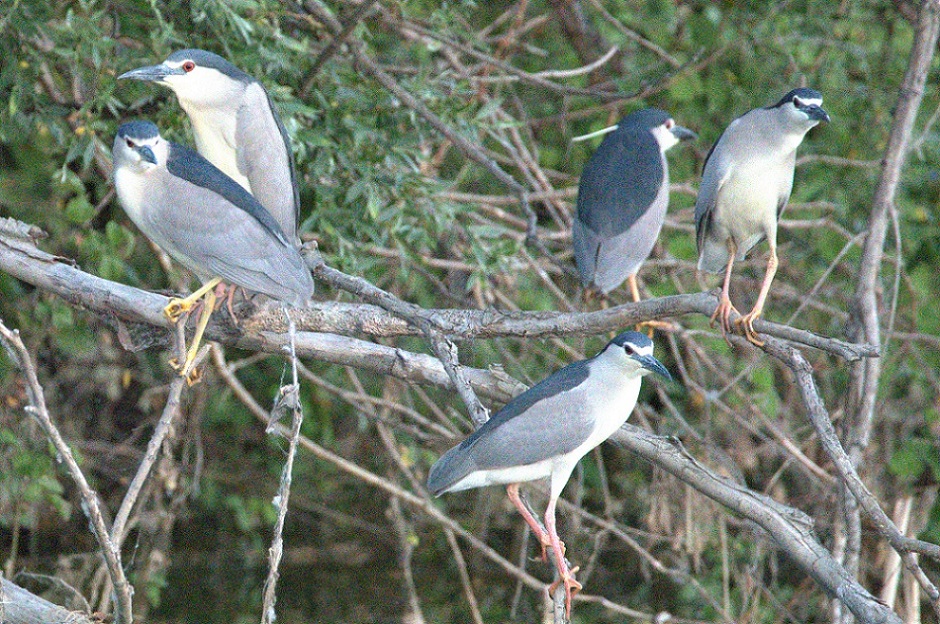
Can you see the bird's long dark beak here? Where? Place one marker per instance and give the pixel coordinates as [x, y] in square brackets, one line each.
[817, 112]
[651, 363]
[146, 153]
[682, 133]
[151, 73]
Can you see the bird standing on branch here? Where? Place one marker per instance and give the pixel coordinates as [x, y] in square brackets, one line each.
[206, 222]
[546, 430]
[236, 127]
[746, 184]
[622, 199]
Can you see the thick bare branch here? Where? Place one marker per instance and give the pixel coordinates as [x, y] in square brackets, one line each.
[26, 262]
[23, 607]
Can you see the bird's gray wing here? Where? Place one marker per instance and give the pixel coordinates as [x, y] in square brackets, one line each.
[264, 157]
[188, 165]
[620, 182]
[542, 422]
[715, 173]
[213, 236]
[787, 188]
[586, 244]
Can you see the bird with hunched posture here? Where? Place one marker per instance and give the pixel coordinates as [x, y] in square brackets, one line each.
[746, 184]
[546, 430]
[236, 127]
[205, 221]
[622, 199]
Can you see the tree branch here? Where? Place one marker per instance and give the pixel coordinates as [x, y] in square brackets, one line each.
[23, 260]
[23, 607]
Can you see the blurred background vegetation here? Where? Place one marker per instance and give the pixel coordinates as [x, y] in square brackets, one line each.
[387, 198]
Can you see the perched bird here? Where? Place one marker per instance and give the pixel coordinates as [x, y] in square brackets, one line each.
[236, 127]
[745, 186]
[543, 432]
[622, 199]
[204, 221]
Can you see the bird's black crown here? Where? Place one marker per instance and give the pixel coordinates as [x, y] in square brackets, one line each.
[647, 118]
[203, 58]
[138, 130]
[634, 338]
[804, 93]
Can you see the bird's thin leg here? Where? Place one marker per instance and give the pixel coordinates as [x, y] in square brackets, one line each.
[634, 290]
[565, 574]
[725, 308]
[193, 376]
[747, 321]
[513, 491]
[177, 307]
[226, 292]
[650, 326]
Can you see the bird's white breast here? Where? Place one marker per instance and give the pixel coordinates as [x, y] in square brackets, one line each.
[131, 188]
[214, 130]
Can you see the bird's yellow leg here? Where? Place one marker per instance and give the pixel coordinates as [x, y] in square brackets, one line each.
[185, 370]
[650, 326]
[747, 321]
[177, 307]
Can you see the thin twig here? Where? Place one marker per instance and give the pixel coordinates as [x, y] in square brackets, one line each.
[281, 501]
[164, 425]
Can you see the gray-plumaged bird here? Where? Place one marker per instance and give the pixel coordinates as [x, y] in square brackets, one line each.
[205, 221]
[236, 127]
[745, 186]
[546, 430]
[622, 199]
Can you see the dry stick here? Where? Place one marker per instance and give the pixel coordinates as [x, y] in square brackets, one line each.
[405, 551]
[444, 349]
[821, 421]
[292, 394]
[331, 48]
[170, 410]
[90, 503]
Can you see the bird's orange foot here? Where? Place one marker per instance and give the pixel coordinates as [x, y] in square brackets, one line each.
[746, 325]
[722, 314]
[651, 326]
[572, 586]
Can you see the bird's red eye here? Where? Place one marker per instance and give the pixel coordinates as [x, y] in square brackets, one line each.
[189, 66]
[130, 143]
[669, 124]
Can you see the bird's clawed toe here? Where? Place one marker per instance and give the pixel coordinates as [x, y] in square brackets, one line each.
[572, 586]
[746, 325]
[722, 315]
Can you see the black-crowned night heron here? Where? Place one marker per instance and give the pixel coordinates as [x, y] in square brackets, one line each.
[546, 430]
[236, 127]
[745, 186]
[622, 199]
[206, 222]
